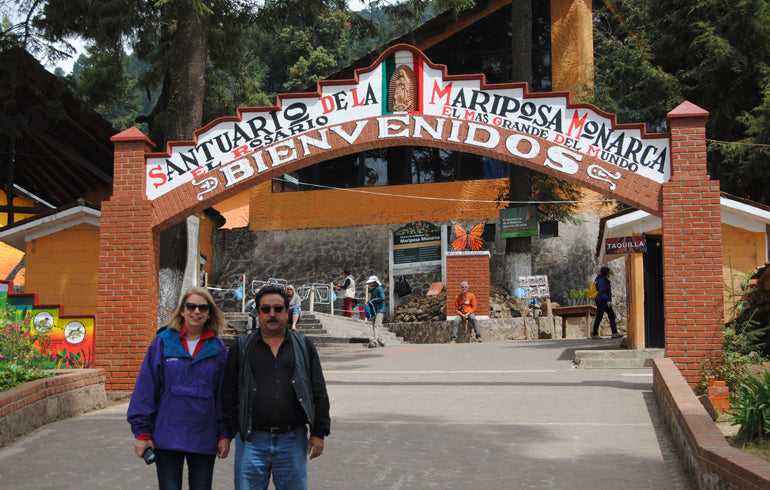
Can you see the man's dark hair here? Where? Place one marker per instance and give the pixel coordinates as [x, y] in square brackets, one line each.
[272, 289]
[346, 270]
[604, 271]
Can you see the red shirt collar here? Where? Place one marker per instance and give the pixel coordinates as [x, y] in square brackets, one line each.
[207, 334]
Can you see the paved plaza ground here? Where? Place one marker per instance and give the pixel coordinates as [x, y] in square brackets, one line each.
[496, 415]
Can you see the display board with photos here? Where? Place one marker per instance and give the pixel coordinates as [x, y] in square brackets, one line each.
[534, 286]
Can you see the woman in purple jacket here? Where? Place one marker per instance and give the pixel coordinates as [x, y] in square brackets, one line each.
[176, 406]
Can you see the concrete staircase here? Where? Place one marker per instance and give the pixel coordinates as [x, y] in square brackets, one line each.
[617, 359]
[322, 329]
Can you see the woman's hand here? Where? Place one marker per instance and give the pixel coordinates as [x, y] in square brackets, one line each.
[141, 445]
[223, 448]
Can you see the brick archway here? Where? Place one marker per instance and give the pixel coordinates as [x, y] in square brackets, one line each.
[664, 174]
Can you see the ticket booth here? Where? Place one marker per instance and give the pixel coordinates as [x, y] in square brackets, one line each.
[636, 237]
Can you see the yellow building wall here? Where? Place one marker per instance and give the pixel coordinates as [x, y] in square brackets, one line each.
[376, 205]
[63, 267]
[572, 45]
[206, 242]
[373, 205]
[742, 252]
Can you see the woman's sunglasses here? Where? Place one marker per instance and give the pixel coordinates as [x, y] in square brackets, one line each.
[266, 309]
[204, 307]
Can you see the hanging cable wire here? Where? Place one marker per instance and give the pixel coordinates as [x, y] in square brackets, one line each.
[385, 194]
[737, 143]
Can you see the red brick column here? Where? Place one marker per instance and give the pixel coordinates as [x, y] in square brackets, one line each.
[692, 247]
[127, 308]
[472, 267]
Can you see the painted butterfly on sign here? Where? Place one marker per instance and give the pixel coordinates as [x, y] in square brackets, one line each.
[467, 240]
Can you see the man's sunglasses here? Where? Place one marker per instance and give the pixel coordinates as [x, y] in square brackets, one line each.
[203, 307]
[266, 309]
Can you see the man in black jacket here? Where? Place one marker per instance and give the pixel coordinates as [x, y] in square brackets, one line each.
[273, 389]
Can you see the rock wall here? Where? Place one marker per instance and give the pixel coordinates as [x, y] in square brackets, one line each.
[30, 405]
[492, 330]
[319, 255]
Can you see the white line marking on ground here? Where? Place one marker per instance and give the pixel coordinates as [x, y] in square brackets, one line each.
[442, 372]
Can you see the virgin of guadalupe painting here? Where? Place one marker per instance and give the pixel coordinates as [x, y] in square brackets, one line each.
[402, 90]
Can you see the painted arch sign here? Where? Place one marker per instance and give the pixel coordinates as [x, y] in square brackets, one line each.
[403, 100]
[404, 96]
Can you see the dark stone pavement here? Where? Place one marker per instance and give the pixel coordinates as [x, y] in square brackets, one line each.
[468, 416]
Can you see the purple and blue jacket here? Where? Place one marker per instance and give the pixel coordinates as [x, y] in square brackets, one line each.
[177, 399]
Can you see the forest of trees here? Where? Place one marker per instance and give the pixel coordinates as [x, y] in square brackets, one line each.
[650, 56]
[149, 60]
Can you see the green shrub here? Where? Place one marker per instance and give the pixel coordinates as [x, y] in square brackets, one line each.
[12, 374]
[745, 332]
[20, 360]
[729, 367]
[752, 409]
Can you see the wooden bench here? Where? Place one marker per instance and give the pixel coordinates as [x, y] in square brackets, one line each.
[574, 312]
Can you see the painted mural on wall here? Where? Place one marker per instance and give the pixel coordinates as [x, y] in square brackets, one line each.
[69, 340]
[405, 96]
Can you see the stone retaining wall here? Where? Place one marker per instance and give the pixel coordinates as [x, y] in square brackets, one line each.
[30, 405]
[492, 330]
[708, 459]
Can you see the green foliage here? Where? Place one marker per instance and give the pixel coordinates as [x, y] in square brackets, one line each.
[729, 367]
[752, 409]
[13, 374]
[576, 294]
[20, 361]
[653, 54]
[746, 332]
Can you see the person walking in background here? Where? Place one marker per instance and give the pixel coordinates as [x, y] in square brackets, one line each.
[604, 304]
[348, 285]
[378, 307]
[295, 303]
[274, 387]
[251, 307]
[465, 304]
[176, 407]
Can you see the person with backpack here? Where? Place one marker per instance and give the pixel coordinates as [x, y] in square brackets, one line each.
[376, 309]
[604, 304]
[176, 408]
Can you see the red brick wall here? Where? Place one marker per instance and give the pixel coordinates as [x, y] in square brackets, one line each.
[127, 308]
[692, 248]
[472, 267]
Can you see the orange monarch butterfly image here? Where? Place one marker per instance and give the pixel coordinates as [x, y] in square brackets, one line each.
[467, 240]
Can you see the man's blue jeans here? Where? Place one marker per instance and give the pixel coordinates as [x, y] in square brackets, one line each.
[283, 455]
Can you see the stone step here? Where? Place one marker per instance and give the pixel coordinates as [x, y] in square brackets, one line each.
[617, 359]
[323, 329]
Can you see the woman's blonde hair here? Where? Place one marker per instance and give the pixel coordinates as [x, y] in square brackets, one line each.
[216, 321]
